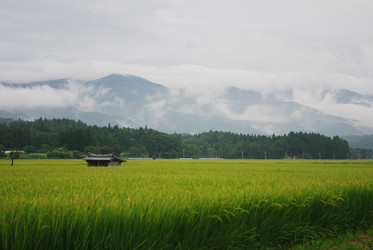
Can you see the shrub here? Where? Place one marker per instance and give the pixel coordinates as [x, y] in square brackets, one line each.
[60, 153]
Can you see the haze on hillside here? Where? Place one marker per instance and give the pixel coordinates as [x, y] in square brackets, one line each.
[274, 63]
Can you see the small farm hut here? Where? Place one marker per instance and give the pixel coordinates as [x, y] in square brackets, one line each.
[103, 160]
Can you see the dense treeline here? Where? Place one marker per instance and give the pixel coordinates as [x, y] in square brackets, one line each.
[361, 153]
[64, 138]
[293, 145]
[58, 136]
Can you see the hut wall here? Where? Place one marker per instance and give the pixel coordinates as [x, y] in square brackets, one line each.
[114, 164]
[97, 163]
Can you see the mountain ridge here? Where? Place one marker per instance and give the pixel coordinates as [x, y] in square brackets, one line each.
[133, 101]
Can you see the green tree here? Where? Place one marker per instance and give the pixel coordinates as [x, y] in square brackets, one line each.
[134, 151]
[44, 148]
[278, 149]
[2, 153]
[13, 155]
[29, 149]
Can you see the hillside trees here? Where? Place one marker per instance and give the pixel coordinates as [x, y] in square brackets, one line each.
[68, 138]
[75, 139]
[299, 145]
[2, 153]
[278, 148]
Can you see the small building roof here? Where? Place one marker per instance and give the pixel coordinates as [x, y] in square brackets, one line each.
[102, 157]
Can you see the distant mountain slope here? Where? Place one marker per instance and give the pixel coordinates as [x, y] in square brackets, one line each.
[10, 115]
[132, 101]
[129, 82]
[359, 141]
[347, 96]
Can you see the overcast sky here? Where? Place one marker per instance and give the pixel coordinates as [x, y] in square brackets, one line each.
[194, 44]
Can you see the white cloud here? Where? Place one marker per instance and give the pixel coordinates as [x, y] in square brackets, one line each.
[327, 103]
[24, 98]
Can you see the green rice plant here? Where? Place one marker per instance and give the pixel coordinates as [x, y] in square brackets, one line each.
[172, 204]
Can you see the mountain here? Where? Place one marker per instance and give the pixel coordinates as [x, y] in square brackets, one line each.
[9, 115]
[360, 141]
[132, 101]
[346, 96]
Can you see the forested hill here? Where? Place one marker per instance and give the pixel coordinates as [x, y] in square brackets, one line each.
[48, 136]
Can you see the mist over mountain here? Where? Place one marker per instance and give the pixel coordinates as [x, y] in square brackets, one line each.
[132, 101]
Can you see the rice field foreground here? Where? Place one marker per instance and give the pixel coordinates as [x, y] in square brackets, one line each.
[173, 204]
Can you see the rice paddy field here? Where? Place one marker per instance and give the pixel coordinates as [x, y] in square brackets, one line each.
[181, 204]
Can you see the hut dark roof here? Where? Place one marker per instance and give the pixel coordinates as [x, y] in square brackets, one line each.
[102, 157]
